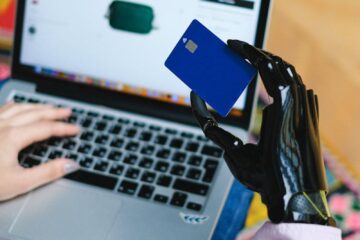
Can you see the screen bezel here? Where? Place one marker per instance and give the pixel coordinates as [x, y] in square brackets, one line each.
[125, 101]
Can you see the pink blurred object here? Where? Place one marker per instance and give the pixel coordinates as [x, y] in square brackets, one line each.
[353, 221]
[339, 204]
[4, 72]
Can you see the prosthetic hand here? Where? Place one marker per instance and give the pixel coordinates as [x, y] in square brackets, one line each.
[286, 166]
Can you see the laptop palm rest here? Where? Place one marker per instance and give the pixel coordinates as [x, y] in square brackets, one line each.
[52, 212]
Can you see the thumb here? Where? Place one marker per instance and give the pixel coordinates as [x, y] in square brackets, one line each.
[48, 172]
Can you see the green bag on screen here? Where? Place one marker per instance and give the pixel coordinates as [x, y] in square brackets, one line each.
[132, 17]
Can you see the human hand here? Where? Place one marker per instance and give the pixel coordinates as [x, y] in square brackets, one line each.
[20, 126]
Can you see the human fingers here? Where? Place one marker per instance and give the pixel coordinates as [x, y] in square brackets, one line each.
[35, 177]
[35, 115]
[24, 136]
[13, 109]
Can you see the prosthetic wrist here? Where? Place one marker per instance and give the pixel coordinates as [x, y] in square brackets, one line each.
[286, 166]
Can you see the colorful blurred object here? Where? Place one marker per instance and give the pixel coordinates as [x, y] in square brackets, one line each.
[4, 72]
[7, 14]
[345, 207]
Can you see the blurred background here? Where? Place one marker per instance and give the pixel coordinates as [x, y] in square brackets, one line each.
[321, 39]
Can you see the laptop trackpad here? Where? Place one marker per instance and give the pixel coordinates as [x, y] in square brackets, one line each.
[64, 211]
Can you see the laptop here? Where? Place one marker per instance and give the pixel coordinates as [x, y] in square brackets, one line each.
[147, 171]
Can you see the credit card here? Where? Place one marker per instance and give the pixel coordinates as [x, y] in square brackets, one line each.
[210, 68]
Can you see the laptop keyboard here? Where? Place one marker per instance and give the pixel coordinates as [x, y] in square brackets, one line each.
[147, 161]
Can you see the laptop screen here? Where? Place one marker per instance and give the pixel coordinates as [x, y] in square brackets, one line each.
[122, 45]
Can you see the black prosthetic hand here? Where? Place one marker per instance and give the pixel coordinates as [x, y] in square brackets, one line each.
[286, 166]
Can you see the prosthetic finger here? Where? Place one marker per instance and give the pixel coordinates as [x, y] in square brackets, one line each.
[270, 76]
[242, 160]
[210, 126]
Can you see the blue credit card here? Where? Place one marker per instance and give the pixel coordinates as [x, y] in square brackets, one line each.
[210, 68]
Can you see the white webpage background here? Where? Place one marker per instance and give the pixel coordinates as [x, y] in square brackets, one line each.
[75, 37]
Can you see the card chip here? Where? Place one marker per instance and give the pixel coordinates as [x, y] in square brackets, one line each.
[191, 46]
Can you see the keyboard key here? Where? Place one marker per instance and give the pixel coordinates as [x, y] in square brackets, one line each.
[40, 151]
[132, 146]
[87, 136]
[131, 159]
[171, 131]
[194, 174]
[163, 153]
[102, 139]
[202, 138]
[70, 145]
[108, 117]
[179, 157]
[72, 156]
[77, 110]
[117, 169]
[139, 124]
[99, 152]
[160, 139]
[211, 151]
[178, 199]
[101, 166]
[192, 147]
[100, 126]
[210, 169]
[145, 136]
[130, 132]
[178, 170]
[164, 180]
[193, 206]
[19, 98]
[117, 142]
[92, 114]
[86, 123]
[93, 178]
[148, 150]
[25, 152]
[115, 155]
[195, 160]
[116, 129]
[154, 128]
[128, 187]
[55, 154]
[33, 100]
[84, 148]
[72, 119]
[146, 191]
[191, 187]
[161, 166]
[132, 173]
[187, 135]
[29, 162]
[161, 198]
[123, 121]
[148, 177]
[146, 163]
[86, 162]
[54, 142]
[176, 143]
[211, 164]
[28, 149]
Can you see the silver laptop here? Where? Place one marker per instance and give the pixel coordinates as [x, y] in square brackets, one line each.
[147, 172]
